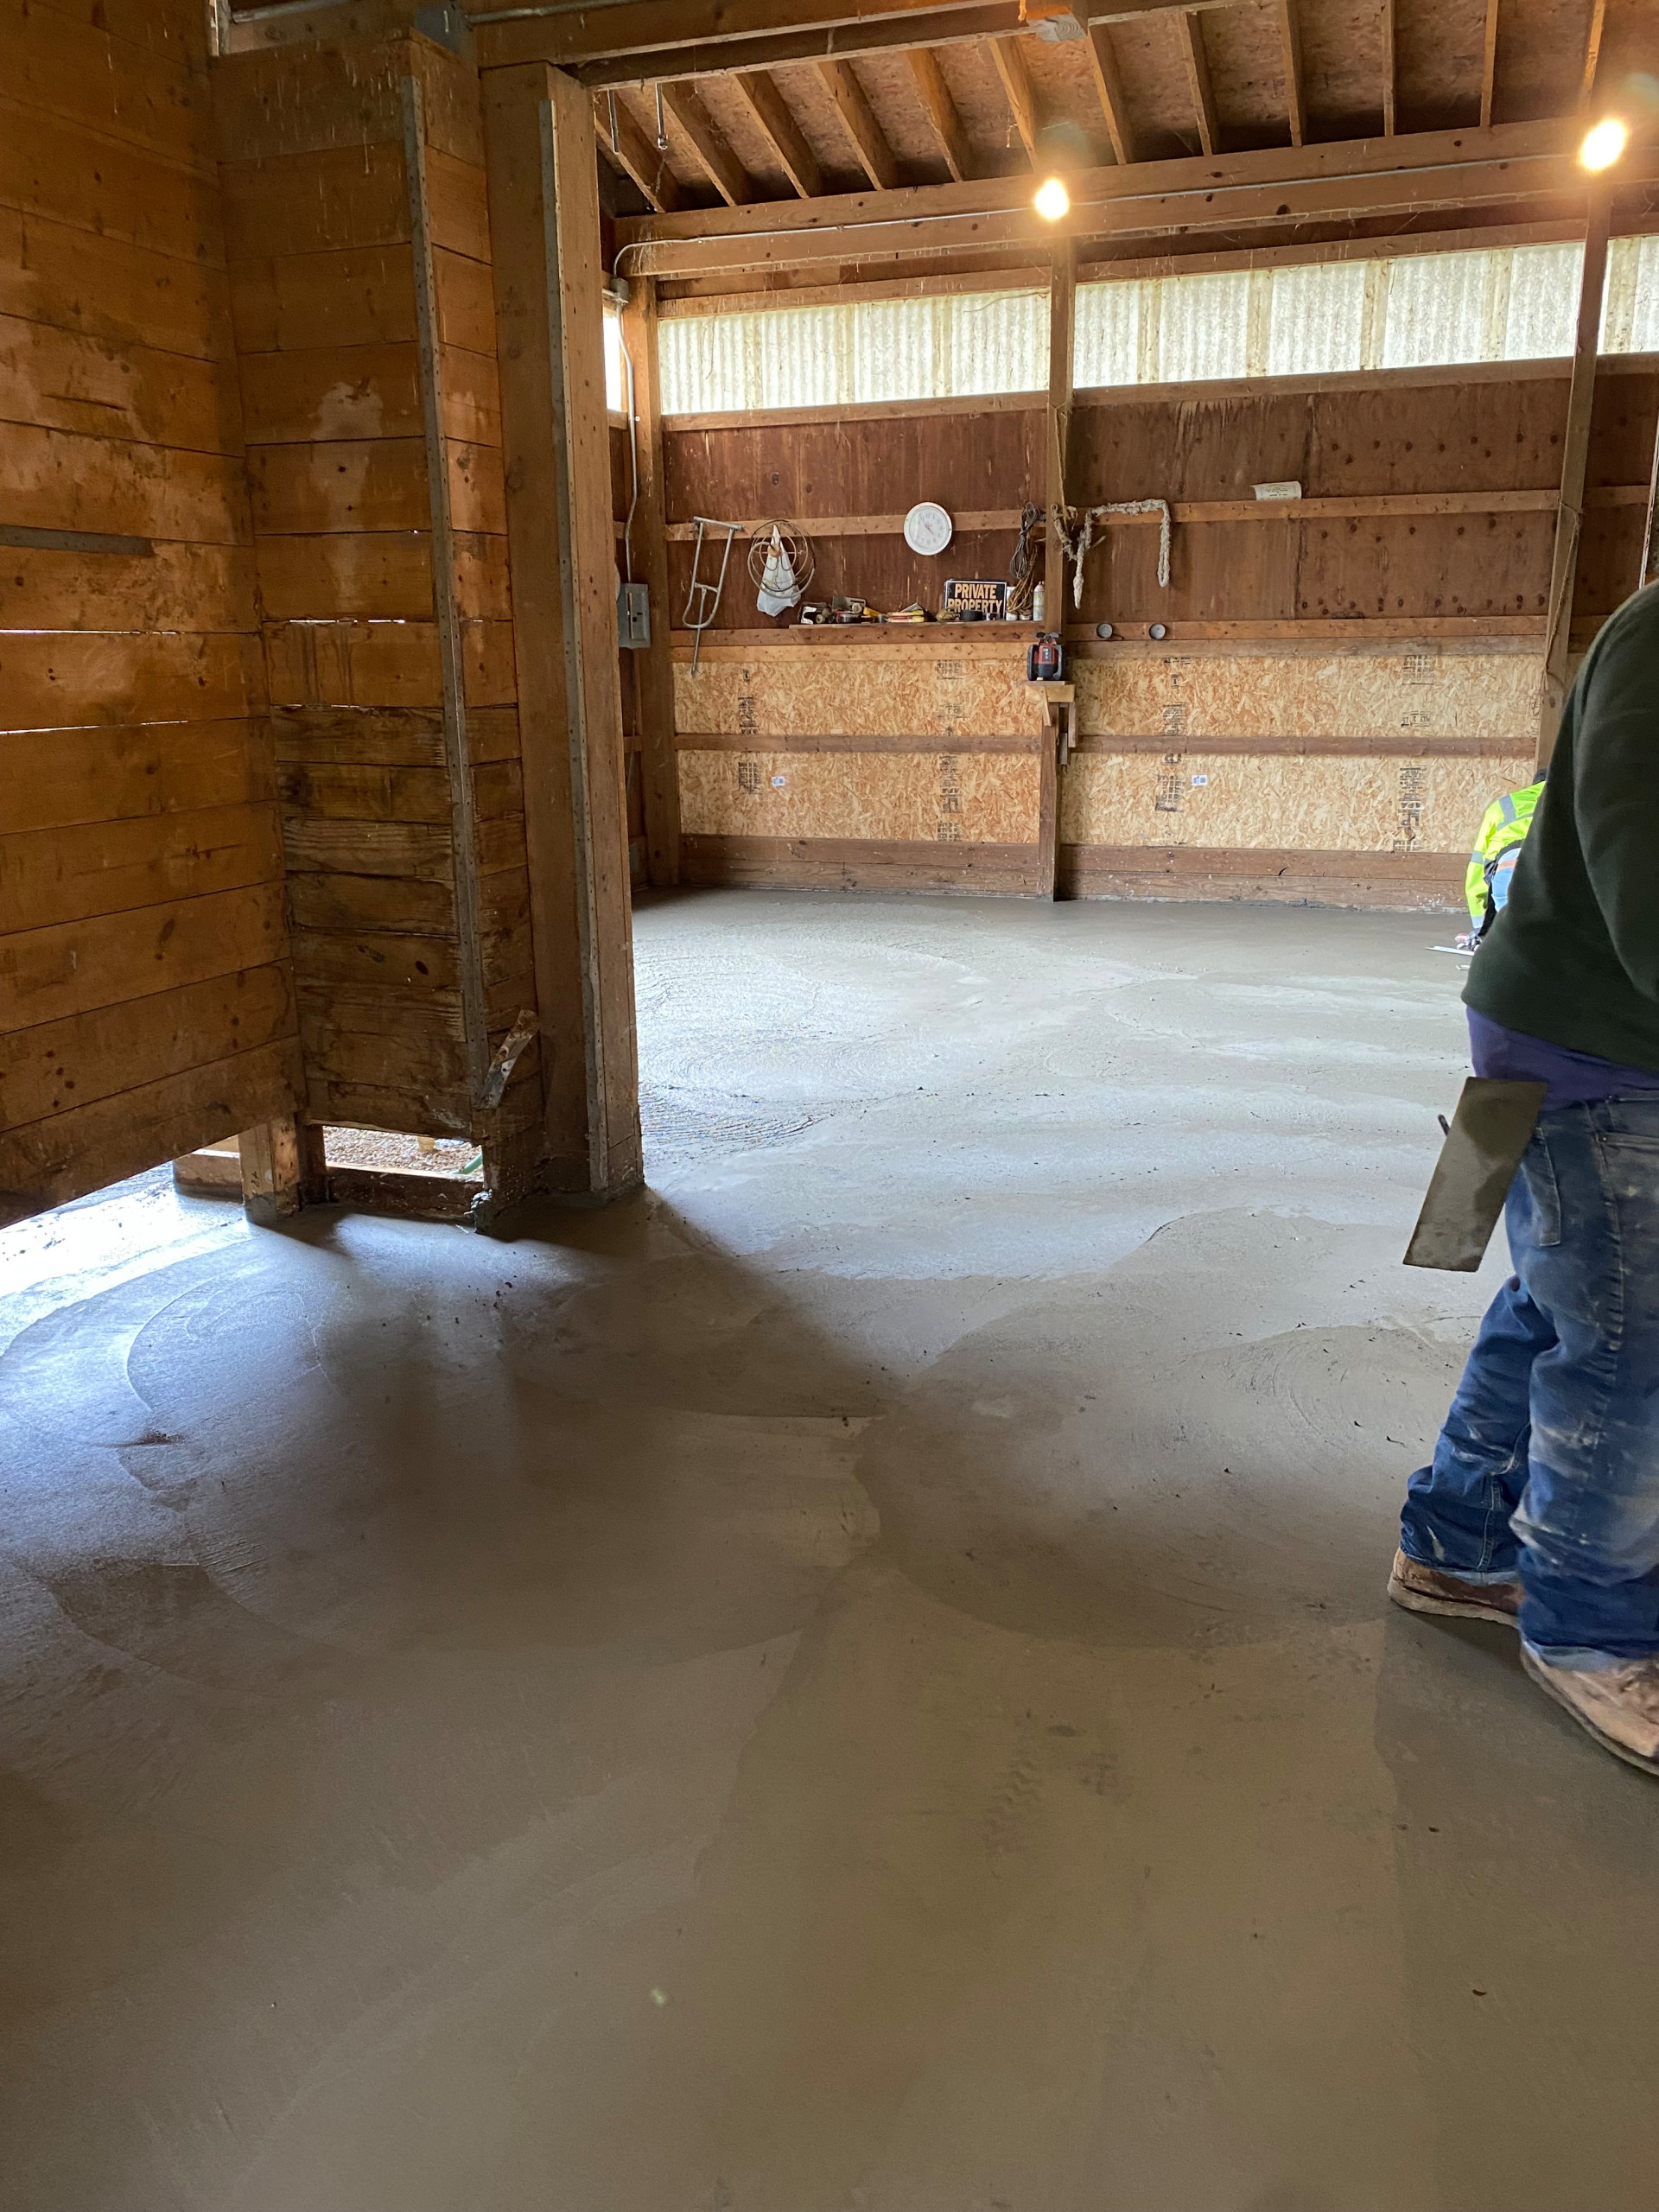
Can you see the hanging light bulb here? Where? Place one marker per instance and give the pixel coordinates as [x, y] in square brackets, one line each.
[1603, 146]
[662, 133]
[1052, 199]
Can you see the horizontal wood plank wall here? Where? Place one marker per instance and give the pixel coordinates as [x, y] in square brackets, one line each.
[1340, 696]
[328, 319]
[146, 1002]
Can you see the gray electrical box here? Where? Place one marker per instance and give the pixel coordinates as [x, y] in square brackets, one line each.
[633, 615]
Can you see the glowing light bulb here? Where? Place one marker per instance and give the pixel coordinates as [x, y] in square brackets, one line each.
[1603, 146]
[1053, 200]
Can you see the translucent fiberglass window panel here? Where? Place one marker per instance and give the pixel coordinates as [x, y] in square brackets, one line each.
[942, 346]
[615, 394]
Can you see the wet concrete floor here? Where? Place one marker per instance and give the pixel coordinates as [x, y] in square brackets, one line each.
[857, 1681]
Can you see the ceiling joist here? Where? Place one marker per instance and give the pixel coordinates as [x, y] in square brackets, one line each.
[1592, 52]
[1488, 66]
[729, 177]
[1514, 165]
[1109, 88]
[1385, 30]
[1009, 55]
[858, 120]
[783, 134]
[1196, 61]
[1290, 48]
[942, 113]
[632, 152]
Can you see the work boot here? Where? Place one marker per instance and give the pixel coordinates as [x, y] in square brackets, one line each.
[1617, 1704]
[1423, 1589]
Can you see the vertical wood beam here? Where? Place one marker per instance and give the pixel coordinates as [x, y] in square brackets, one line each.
[1385, 26]
[759, 92]
[942, 112]
[446, 607]
[654, 666]
[1010, 61]
[1190, 33]
[1062, 324]
[727, 173]
[1108, 87]
[282, 1169]
[1290, 48]
[1488, 66]
[1592, 52]
[636, 155]
[545, 228]
[1575, 449]
[858, 122]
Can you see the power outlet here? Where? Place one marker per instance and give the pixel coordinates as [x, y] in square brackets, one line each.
[634, 616]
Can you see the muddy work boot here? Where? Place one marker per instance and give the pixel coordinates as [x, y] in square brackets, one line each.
[1423, 1589]
[1619, 1705]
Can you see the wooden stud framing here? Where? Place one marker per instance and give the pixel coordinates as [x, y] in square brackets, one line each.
[637, 157]
[654, 665]
[1009, 55]
[1489, 66]
[1108, 85]
[727, 174]
[1196, 61]
[935, 95]
[772, 115]
[1386, 33]
[1290, 47]
[1575, 448]
[858, 120]
[463, 827]
[544, 225]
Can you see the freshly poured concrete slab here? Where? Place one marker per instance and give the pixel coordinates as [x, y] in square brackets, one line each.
[857, 1679]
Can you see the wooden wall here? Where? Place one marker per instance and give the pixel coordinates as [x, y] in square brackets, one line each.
[146, 999]
[1345, 685]
[386, 876]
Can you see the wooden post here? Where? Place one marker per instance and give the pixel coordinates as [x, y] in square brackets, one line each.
[654, 665]
[1575, 448]
[544, 201]
[1062, 317]
[282, 1169]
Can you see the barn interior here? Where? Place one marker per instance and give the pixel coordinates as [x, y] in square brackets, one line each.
[704, 1375]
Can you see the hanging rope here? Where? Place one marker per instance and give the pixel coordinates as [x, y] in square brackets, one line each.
[1077, 529]
[1022, 580]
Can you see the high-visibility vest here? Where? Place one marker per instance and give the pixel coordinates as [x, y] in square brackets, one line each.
[1503, 826]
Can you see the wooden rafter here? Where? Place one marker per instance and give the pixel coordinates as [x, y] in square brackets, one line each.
[935, 95]
[783, 134]
[1007, 54]
[1109, 87]
[1488, 66]
[1385, 28]
[858, 122]
[731, 180]
[1290, 47]
[634, 154]
[1592, 52]
[1512, 166]
[1197, 77]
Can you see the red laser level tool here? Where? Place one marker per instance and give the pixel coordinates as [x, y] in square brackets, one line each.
[1045, 662]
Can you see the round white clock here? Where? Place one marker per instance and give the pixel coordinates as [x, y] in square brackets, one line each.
[927, 528]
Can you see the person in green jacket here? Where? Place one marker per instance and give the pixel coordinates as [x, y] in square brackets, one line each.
[1541, 1502]
[1502, 832]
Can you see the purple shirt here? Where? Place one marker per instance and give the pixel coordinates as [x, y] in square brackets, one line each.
[1574, 1078]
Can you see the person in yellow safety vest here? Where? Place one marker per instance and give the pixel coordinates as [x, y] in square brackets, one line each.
[1498, 847]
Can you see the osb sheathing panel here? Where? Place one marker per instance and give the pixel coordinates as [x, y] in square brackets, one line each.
[1346, 696]
[953, 797]
[864, 693]
[1282, 803]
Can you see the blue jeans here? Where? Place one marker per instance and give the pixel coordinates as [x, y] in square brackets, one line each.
[1548, 1463]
